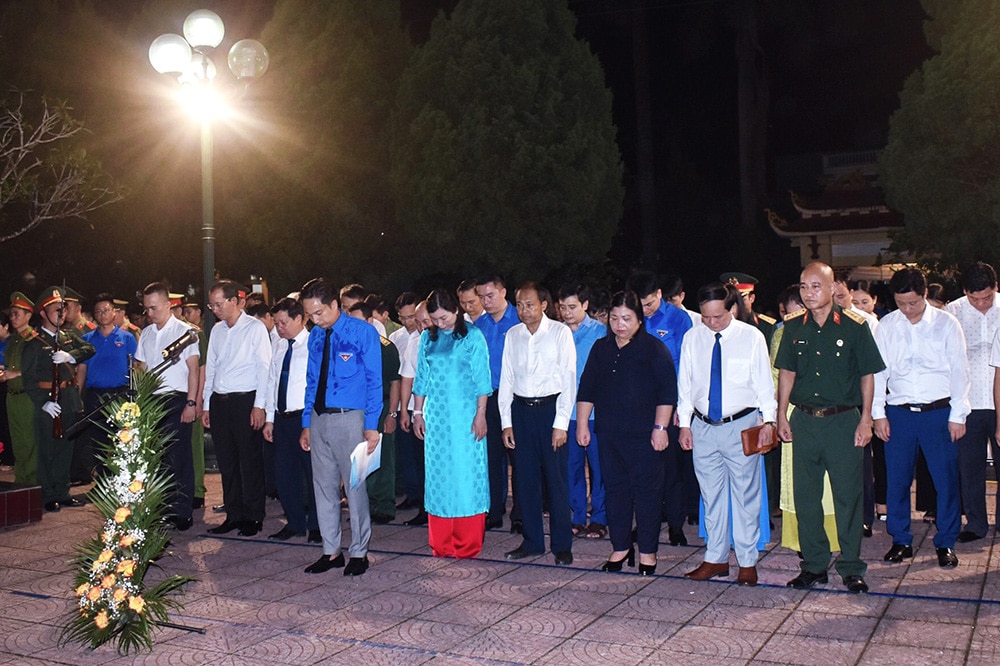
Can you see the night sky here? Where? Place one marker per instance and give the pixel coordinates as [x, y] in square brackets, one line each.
[834, 69]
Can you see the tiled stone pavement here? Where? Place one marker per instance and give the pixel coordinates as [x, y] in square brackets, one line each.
[256, 606]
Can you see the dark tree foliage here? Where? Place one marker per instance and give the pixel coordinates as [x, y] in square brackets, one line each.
[941, 167]
[503, 147]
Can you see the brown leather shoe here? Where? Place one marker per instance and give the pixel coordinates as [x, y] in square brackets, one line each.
[708, 570]
[747, 576]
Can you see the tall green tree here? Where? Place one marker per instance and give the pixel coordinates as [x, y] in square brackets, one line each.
[941, 167]
[503, 148]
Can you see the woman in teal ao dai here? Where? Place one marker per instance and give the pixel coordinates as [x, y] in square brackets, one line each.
[449, 413]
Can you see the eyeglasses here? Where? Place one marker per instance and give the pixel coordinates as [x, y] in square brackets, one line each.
[215, 306]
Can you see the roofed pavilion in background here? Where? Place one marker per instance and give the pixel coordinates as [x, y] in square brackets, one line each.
[842, 219]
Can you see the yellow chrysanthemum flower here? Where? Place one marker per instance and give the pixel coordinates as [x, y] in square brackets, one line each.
[101, 620]
[135, 486]
[108, 581]
[122, 514]
[137, 604]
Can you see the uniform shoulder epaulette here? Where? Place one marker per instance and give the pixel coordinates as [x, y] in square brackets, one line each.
[767, 320]
[30, 335]
[385, 341]
[792, 315]
[855, 316]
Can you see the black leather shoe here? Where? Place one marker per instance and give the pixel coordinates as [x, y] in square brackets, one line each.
[965, 536]
[898, 553]
[356, 566]
[72, 502]
[416, 521]
[564, 557]
[807, 579]
[52, 507]
[519, 553]
[226, 527]
[407, 504]
[947, 558]
[692, 519]
[326, 563]
[866, 530]
[382, 518]
[250, 528]
[181, 524]
[219, 508]
[314, 537]
[517, 527]
[494, 523]
[855, 584]
[677, 537]
[284, 534]
[198, 503]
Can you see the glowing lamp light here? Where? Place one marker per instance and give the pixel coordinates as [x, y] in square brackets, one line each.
[204, 27]
[169, 54]
[248, 59]
[202, 67]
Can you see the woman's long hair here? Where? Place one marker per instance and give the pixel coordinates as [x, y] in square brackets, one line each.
[442, 299]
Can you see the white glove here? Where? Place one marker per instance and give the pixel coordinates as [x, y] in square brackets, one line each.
[62, 357]
[53, 409]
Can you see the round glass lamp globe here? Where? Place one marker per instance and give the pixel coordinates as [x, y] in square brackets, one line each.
[203, 27]
[170, 53]
[248, 59]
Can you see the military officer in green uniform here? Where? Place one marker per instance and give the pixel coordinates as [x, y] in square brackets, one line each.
[20, 411]
[747, 285]
[64, 349]
[827, 361]
[74, 318]
[121, 321]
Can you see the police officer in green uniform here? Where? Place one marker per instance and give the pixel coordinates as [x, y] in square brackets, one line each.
[65, 349]
[827, 361]
[20, 411]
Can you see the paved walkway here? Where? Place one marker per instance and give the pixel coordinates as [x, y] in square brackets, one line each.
[256, 606]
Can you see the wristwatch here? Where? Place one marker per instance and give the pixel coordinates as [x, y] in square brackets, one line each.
[191, 403]
[393, 414]
[657, 426]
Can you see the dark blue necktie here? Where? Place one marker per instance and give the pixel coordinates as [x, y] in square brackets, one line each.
[715, 387]
[283, 382]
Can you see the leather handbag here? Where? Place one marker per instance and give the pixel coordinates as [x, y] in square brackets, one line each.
[750, 436]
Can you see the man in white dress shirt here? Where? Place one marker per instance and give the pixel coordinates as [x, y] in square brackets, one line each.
[720, 393]
[536, 397]
[284, 400]
[921, 400]
[179, 382]
[236, 371]
[979, 314]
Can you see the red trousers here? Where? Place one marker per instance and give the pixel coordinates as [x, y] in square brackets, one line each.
[456, 537]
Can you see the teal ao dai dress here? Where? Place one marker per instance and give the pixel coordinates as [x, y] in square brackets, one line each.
[452, 373]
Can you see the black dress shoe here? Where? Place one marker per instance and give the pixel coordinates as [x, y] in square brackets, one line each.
[72, 502]
[616, 565]
[416, 521]
[382, 518]
[855, 584]
[807, 579]
[898, 553]
[326, 563]
[692, 519]
[677, 537]
[198, 503]
[564, 557]
[226, 527]
[250, 528]
[965, 536]
[356, 566]
[517, 527]
[407, 504]
[284, 534]
[519, 553]
[494, 523]
[866, 530]
[52, 507]
[219, 508]
[181, 524]
[947, 558]
[314, 537]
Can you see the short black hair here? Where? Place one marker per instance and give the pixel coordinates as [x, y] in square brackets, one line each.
[355, 291]
[578, 289]
[466, 285]
[157, 288]
[491, 278]
[979, 276]
[907, 280]
[542, 292]
[790, 294]
[406, 298]
[377, 302]
[643, 283]
[630, 300]
[290, 305]
[716, 291]
[937, 292]
[322, 289]
[257, 309]
[363, 308]
[674, 287]
[228, 288]
[104, 296]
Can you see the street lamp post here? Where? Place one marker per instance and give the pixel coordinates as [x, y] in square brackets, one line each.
[188, 58]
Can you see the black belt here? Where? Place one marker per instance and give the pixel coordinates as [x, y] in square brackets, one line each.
[237, 394]
[335, 410]
[536, 402]
[825, 411]
[291, 415]
[927, 406]
[732, 417]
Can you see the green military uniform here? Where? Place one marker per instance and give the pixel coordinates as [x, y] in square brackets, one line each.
[54, 455]
[20, 410]
[382, 482]
[829, 362]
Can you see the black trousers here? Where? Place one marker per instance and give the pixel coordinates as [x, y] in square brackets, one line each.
[177, 457]
[537, 461]
[238, 451]
[680, 490]
[633, 481]
[979, 429]
[498, 457]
